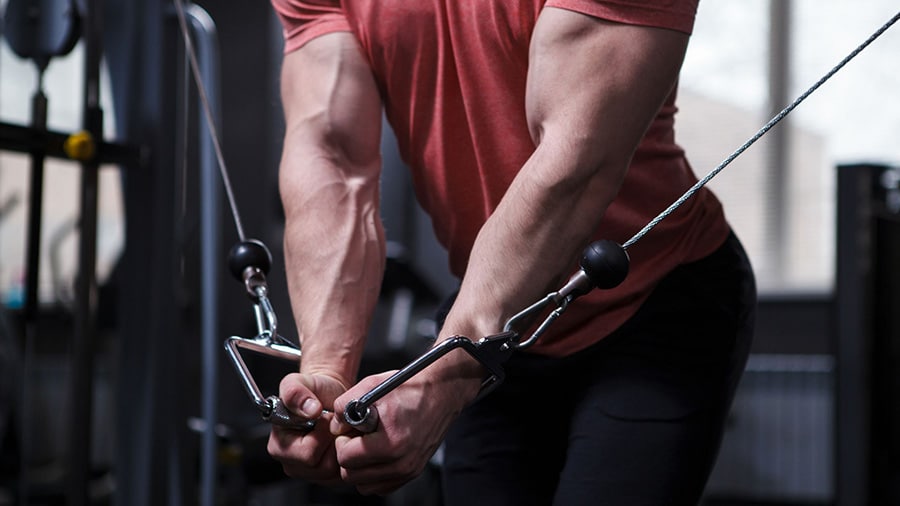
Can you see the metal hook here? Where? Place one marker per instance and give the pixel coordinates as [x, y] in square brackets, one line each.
[249, 261]
[579, 284]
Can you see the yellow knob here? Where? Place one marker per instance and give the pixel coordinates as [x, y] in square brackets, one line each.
[80, 146]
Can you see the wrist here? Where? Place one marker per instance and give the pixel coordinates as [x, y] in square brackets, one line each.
[457, 372]
[333, 358]
[311, 368]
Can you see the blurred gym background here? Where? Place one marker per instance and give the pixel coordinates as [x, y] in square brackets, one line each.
[116, 299]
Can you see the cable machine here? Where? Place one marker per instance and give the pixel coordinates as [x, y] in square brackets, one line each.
[40, 32]
[867, 338]
[141, 48]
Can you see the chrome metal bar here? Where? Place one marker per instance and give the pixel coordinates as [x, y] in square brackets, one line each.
[85, 328]
[203, 29]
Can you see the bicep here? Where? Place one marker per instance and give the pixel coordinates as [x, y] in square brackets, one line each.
[594, 86]
[331, 103]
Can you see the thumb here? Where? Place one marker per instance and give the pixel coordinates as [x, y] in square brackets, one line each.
[298, 397]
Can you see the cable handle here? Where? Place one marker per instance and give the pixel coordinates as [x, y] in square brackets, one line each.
[491, 352]
[604, 264]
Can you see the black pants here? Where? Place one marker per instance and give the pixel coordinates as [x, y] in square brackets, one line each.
[634, 420]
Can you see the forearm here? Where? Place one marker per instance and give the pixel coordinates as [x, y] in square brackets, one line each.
[334, 253]
[531, 242]
[526, 248]
[594, 87]
[329, 177]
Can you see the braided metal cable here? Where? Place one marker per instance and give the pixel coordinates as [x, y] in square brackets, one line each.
[762, 131]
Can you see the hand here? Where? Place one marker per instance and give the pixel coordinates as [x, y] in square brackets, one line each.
[413, 420]
[308, 455]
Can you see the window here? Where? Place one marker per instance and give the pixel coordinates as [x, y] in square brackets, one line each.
[63, 87]
[783, 206]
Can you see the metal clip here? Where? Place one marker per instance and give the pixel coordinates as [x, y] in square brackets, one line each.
[579, 284]
[249, 260]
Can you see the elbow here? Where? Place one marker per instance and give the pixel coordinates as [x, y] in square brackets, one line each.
[320, 136]
[322, 167]
[578, 162]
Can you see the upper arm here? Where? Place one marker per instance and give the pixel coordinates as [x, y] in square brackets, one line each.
[594, 86]
[331, 104]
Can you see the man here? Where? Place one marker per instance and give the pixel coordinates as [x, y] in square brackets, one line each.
[531, 128]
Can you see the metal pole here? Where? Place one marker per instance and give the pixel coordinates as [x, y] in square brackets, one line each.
[778, 141]
[35, 214]
[853, 339]
[81, 389]
[206, 45]
[32, 271]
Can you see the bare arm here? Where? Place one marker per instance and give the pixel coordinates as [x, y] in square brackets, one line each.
[593, 89]
[334, 242]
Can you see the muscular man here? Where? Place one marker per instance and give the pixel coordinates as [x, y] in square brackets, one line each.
[531, 128]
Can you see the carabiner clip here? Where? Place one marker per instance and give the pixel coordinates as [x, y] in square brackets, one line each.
[604, 264]
[249, 261]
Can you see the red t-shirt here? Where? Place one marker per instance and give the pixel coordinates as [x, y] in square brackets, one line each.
[452, 74]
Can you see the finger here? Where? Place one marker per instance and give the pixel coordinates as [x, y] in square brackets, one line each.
[298, 396]
[352, 453]
[381, 479]
[307, 456]
[366, 450]
[286, 444]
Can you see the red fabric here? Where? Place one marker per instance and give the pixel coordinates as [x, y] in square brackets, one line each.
[304, 20]
[453, 76]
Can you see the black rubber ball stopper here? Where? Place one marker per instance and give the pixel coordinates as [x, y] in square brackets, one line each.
[606, 263]
[249, 253]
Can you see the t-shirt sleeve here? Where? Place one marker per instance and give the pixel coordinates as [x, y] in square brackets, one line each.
[672, 14]
[304, 20]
